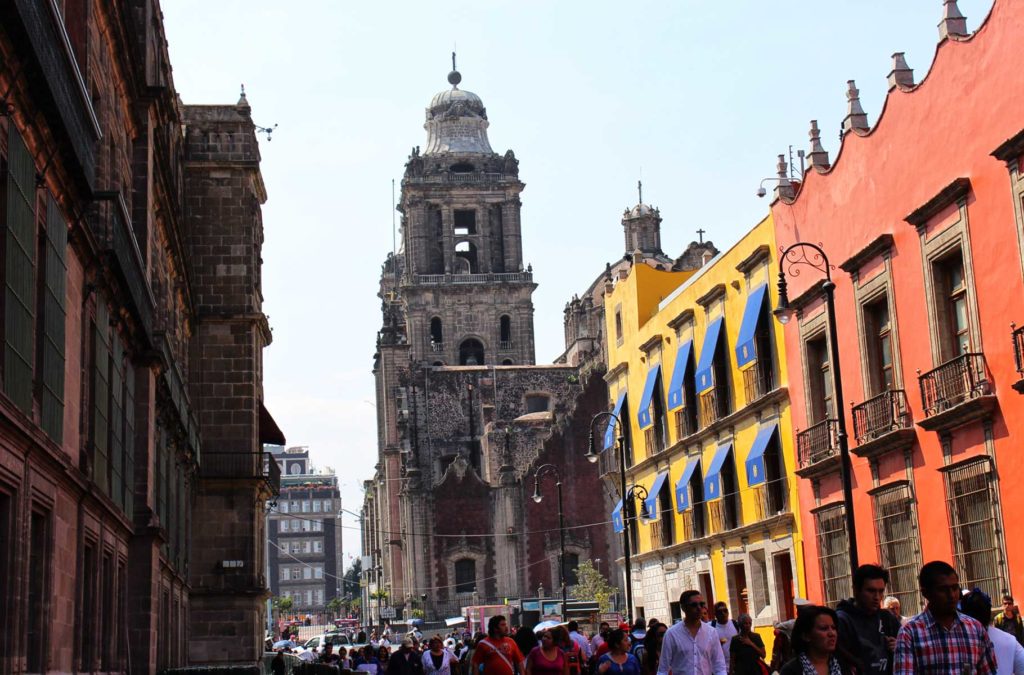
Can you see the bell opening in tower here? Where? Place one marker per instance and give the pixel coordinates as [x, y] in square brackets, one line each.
[471, 353]
[462, 167]
[465, 258]
[465, 222]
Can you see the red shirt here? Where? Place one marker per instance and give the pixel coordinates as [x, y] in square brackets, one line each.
[487, 654]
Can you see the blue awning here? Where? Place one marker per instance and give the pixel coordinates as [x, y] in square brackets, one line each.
[676, 399]
[652, 495]
[643, 415]
[617, 523]
[755, 458]
[609, 434]
[683, 484]
[712, 480]
[705, 379]
[746, 351]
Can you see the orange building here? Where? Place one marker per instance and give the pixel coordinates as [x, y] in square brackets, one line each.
[922, 217]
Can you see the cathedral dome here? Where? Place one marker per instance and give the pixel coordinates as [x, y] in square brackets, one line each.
[456, 122]
[641, 210]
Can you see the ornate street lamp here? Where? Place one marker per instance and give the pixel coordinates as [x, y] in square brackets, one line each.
[537, 497]
[811, 255]
[628, 495]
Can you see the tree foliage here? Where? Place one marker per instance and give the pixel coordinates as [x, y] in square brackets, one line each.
[283, 603]
[591, 585]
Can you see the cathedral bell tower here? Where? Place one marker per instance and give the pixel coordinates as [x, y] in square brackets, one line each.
[467, 297]
[642, 227]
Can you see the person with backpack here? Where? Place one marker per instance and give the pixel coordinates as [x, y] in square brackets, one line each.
[574, 657]
[725, 628]
[498, 654]
[618, 660]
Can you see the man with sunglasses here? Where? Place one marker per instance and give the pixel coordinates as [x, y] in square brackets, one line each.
[691, 647]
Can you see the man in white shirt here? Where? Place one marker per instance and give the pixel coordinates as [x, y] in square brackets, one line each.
[726, 629]
[691, 647]
[1009, 653]
[598, 639]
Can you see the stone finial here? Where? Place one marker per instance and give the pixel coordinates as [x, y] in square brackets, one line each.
[901, 74]
[855, 118]
[784, 187]
[953, 22]
[243, 102]
[818, 156]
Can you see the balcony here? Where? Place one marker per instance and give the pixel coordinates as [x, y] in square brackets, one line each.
[505, 346]
[497, 277]
[694, 523]
[654, 440]
[956, 393]
[757, 381]
[770, 499]
[1018, 355]
[883, 424]
[608, 463]
[713, 407]
[436, 347]
[686, 423]
[450, 177]
[255, 466]
[722, 515]
[818, 449]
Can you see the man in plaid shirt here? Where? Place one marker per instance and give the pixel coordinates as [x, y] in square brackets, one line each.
[940, 639]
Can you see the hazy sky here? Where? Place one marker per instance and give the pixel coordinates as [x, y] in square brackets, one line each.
[698, 96]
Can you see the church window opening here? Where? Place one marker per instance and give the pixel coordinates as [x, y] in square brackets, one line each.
[438, 364]
[436, 334]
[462, 167]
[507, 362]
[465, 222]
[537, 403]
[569, 565]
[465, 258]
[465, 575]
[506, 331]
[471, 353]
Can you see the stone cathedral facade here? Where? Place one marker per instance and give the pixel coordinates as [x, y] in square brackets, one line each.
[464, 415]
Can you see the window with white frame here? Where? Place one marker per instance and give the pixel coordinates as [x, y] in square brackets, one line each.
[327, 506]
[307, 546]
[296, 574]
[318, 526]
[305, 506]
[284, 525]
[283, 507]
[759, 580]
[307, 573]
[318, 572]
[318, 546]
[285, 574]
[316, 506]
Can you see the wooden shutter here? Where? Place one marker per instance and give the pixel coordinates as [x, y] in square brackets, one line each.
[117, 421]
[19, 314]
[129, 441]
[101, 395]
[54, 315]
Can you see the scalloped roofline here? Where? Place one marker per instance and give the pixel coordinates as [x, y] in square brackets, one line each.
[898, 90]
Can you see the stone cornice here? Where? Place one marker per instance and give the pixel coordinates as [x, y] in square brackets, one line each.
[654, 341]
[946, 196]
[882, 244]
[614, 373]
[761, 254]
[681, 318]
[716, 292]
[1010, 149]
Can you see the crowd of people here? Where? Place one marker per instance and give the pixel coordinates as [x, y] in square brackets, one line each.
[955, 633]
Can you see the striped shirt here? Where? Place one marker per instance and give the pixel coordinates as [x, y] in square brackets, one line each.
[923, 646]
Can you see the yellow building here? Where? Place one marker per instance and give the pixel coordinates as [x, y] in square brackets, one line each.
[697, 375]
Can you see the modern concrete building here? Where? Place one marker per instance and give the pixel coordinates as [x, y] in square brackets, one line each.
[304, 558]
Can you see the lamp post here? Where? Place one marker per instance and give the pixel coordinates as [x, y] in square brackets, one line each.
[537, 497]
[811, 255]
[627, 500]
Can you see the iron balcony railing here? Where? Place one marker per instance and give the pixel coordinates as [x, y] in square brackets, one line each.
[686, 423]
[525, 277]
[457, 177]
[954, 382]
[817, 443]
[1018, 348]
[505, 346]
[880, 415]
[608, 462]
[436, 346]
[242, 466]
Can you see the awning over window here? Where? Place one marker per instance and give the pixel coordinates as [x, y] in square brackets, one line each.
[683, 485]
[755, 459]
[652, 496]
[705, 378]
[712, 479]
[746, 350]
[609, 434]
[676, 399]
[270, 433]
[643, 415]
[618, 524]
